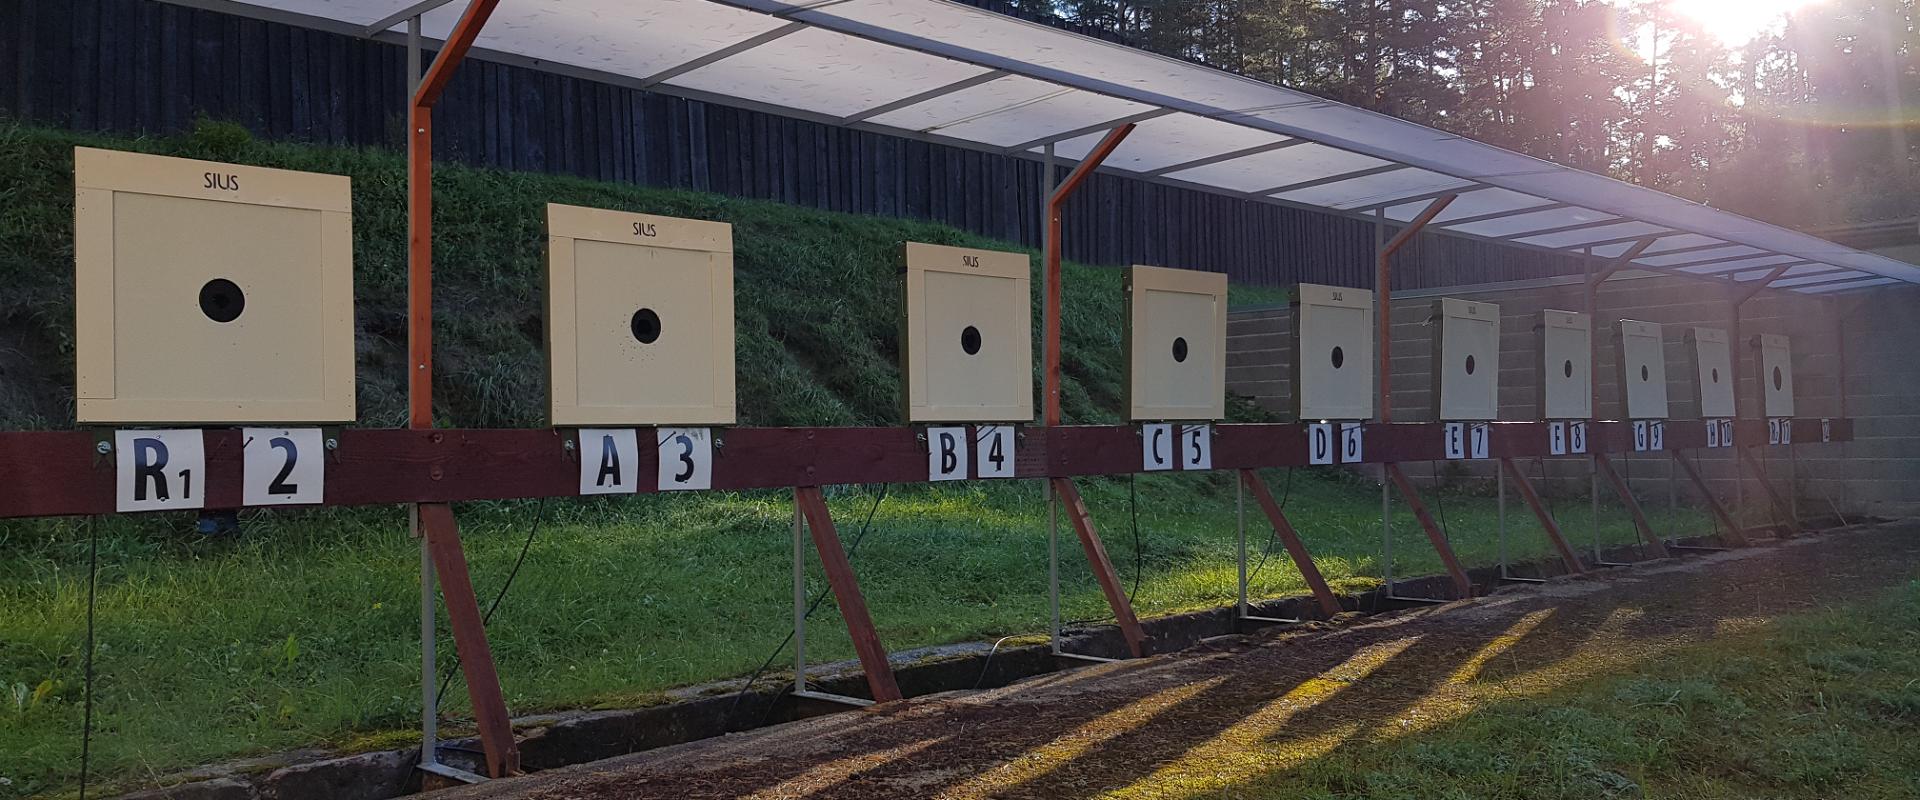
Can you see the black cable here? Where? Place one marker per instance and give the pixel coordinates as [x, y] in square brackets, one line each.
[86, 725]
[1133, 510]
[1440, 502]
[539, 516]
[818, 598]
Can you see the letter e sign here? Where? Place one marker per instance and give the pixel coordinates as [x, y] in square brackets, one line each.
[282, 466]
[159, 470]
[609, 461]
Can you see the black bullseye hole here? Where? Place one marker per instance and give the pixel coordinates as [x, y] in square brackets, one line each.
[1567, 368]
[1339, 357]
[1778, 379]
[970, 340]
[221, 300]
[1469, 365]
[1643, 372]
[1715, 374]
[646, 326]
[1179, 348]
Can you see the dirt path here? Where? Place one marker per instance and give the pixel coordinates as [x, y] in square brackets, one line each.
[1197, 722]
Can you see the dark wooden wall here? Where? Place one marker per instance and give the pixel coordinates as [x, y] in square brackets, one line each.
[143, 66]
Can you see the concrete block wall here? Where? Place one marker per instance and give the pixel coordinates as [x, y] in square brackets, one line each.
[1878, 474]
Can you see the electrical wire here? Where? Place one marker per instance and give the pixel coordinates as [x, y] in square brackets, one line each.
[1139, 561]
[86, 724]
[1286, 492]
[820, 597]
[539, 516]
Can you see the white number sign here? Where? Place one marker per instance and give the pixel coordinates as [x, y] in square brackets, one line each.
[1556, 438]
[1576, 437]
[1196, 447]
[946, 454]
[609, 461]
[1455, 434]
[1320, 443]
[1157, 446]
[1350, 444]
[159, 470]
[686, 458]
[994, 443]
[282, 466]
[1478, 437]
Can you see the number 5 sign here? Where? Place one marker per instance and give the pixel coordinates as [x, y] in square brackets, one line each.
[282, 466]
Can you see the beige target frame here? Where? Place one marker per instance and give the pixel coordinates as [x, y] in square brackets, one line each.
[1776, 374]
[967, 326]
[1176, 344]
[1332, 352]
[1713, 371]
[1466, 360]
[1643, 368]
[639, 319]
[165, 247]
[1565, 367]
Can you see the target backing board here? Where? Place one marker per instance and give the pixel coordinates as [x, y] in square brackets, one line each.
[968, 334]
[1176, 344]
[210, 293]
[1332, 353]
[1643, 368]
[1713, 369]
[1566, 366]
[639, 319]
[1776, 372]
[1466, 360]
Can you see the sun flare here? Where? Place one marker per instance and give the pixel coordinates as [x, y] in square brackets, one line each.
[1736, 22]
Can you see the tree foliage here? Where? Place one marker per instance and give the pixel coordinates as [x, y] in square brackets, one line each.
[1804, 125]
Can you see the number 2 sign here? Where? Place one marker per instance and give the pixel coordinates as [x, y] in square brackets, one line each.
[282, 466]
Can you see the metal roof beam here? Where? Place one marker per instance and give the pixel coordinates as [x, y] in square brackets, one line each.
[1098, 127]
[1791, 265]
[1622, 240]
[402, 15]
[916, 99]
[1598, 223]
[1728, 260]
[1867, 279]
[1336, 178]
[721, 54]
[1228, 156]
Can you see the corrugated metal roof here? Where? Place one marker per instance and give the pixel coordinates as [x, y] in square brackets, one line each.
[950, 73]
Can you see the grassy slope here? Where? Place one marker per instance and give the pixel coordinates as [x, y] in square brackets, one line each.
[304, 630]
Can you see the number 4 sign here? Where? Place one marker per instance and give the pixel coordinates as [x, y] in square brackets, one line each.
[282, 466]
[994, 443]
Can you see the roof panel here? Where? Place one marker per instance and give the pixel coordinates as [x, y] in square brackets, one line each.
[614, 36]
[1471, 204]
[1167, 141]
[1738, 264]
[825, 72]
[1531, 221]
[1602, 233]
[1696, 255]
[1364, 191]
[1278, 168]
[1841, 287]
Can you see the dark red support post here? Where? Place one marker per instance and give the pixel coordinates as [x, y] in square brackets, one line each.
[846, 592]
[436, 519]
[1102, 566]
[1436, 535]
[1782, 516]
[1647, 534]
[1734, 534]
[1290, 539]
[1540, 512]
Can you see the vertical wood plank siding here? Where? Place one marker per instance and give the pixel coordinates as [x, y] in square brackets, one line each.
[147, 67]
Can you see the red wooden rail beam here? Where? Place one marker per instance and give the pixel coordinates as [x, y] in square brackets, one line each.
[1547, 521]
[1329, 604]
[846, 592]
[1647, 534]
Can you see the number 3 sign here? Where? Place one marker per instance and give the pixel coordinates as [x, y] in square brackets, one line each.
[686, 458]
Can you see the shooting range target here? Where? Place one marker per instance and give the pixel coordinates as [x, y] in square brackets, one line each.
[1643, 369]
[968, 335]
[1566, 368]
[1333, 352]
[210, 293]
[1713, 369]
[1466, 359]
[1176, 344]
[639, 319]
[1776, 373]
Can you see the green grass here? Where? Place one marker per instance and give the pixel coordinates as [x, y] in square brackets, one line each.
[304, 630]
[1814, 705]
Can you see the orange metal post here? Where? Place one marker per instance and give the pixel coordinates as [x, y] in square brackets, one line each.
[436, 519]
[1383, 289]
[1059, 197]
